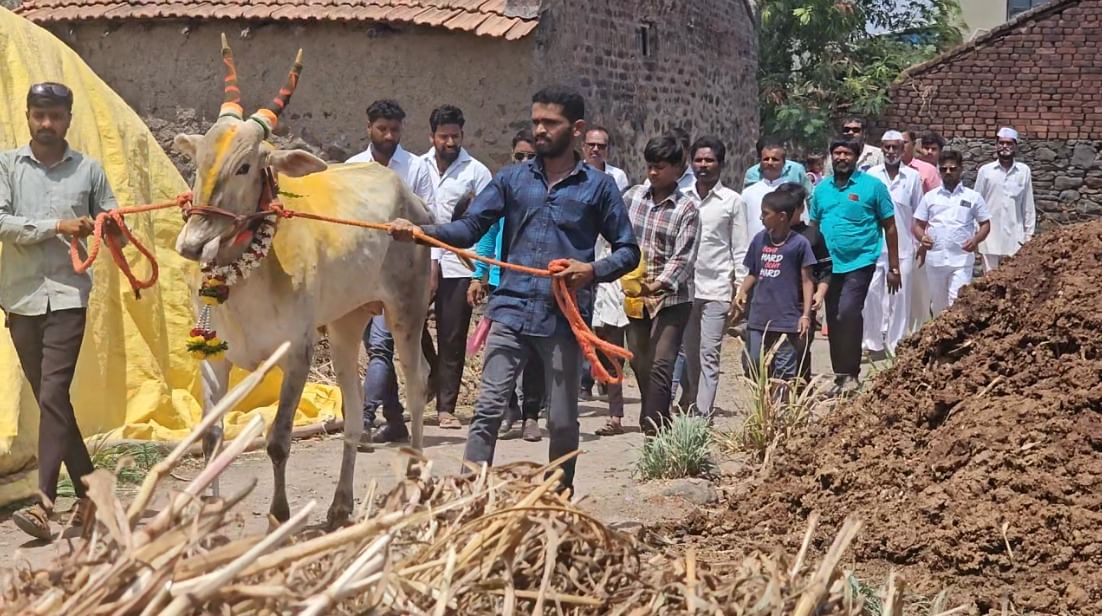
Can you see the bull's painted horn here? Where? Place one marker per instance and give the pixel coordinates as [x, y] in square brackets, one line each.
[231, 104]
[269, 114]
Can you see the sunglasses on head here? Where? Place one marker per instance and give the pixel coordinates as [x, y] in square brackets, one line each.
[519, 156]
[54, 90]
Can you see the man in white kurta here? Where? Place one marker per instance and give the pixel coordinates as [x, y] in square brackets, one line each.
[772, 163]
[887, 316]
[1007, 187]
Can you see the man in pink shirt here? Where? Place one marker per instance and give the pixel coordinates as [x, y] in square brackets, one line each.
[930, 177]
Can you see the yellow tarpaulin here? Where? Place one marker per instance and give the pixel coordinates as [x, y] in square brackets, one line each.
[134, 378]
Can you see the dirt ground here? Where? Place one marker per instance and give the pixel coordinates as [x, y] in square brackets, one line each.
[604, 478]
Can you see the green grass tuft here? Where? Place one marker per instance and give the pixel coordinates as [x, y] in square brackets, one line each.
[130, 462]
[683, 449]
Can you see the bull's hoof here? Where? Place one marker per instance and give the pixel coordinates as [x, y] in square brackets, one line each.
[337, 517]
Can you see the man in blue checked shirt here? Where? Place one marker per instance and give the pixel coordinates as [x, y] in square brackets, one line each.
[553, 207]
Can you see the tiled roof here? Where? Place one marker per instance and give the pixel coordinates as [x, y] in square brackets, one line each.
[508, 19]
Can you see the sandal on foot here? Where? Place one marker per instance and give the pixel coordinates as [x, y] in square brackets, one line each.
[447, 421]
[35, 521]
[83, 510]
[610, 429]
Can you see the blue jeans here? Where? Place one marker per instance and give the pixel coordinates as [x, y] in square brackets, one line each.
[380, 382]
[679, 374]
[786, 359]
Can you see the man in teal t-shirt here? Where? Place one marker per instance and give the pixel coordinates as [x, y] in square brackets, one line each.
[851, 210]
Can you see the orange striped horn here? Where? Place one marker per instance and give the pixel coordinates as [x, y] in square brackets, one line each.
[268, 115]
[231, 104]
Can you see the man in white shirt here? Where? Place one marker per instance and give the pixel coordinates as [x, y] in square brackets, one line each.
[384, 129]
[887, 316]
[773, 159]
[951, 222]
[721, 249]
[871, 156]
[1007, 187]
[597, 148]
[456, 178]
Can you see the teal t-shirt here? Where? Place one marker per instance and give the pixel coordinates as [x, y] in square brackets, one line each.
[849, 219]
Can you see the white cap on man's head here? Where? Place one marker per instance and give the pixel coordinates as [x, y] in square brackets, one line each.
[1007, 133]
[892, 135]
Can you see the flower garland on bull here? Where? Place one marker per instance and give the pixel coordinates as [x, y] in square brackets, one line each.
[203, 342]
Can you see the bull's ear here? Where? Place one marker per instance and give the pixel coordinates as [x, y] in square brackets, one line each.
[186, 144]
[295, 163]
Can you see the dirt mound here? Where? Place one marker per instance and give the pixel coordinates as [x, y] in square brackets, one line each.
[976, 460]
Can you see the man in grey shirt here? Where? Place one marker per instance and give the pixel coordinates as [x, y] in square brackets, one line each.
[49, 193]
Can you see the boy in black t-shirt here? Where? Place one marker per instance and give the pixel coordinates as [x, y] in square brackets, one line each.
[779, 262]
[820, 272]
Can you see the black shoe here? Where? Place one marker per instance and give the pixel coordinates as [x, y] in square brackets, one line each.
[586, 395]
[509, 430]
[391, 433]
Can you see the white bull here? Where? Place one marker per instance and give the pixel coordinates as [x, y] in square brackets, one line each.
[316, 275]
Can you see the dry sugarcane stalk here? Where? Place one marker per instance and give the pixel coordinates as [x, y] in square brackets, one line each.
[230, 400]
[363, 564]
[820, 582]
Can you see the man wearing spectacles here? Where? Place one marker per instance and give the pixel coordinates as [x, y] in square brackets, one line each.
[596, 150]
[854, 130]
[49, 193]
[951, 222]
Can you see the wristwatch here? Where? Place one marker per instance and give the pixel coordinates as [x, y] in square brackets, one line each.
[893, 270]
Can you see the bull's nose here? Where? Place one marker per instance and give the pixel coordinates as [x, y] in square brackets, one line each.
[188, 250]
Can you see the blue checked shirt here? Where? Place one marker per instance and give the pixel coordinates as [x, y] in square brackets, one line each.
[543, 224]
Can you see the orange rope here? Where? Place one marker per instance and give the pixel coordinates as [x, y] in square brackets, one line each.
[566, 299]
[117, 216]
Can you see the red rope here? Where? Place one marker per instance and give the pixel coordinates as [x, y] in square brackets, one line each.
[117, 215]
[566, 299]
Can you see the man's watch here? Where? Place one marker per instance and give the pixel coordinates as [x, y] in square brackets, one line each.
[893, 270]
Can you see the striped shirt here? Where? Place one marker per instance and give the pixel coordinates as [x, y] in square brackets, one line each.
[667, 233]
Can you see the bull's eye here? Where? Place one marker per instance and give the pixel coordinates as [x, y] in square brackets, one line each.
[243, 169]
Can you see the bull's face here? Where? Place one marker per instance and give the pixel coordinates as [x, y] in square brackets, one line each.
[230, 160]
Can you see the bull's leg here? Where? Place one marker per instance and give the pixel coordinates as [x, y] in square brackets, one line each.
[344, 347]
[215, 376]
[406, 325]
[296, 368]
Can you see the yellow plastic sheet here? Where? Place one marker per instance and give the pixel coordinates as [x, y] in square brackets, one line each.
[134, 378]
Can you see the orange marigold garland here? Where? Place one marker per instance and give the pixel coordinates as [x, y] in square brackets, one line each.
[203, 342]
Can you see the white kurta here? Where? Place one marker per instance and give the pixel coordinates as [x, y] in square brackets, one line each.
[888, 316]
[1009, 197]
[752, 197]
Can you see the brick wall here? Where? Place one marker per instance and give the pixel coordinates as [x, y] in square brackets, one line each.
[699, 70]
[1041, 74]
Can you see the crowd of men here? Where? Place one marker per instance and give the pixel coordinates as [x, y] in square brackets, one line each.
[879, 240]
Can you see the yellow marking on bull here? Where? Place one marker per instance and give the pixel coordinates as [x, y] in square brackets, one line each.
[221, 150]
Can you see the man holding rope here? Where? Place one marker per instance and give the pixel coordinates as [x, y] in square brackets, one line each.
[553, 207]
[48, 194]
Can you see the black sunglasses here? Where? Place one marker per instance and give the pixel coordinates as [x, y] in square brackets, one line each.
[519, 156]
[53, 90]
[851, 129]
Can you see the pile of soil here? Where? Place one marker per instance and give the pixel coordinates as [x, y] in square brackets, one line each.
[976, 460]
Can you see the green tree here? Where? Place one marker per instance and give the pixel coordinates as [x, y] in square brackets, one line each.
[823, 59]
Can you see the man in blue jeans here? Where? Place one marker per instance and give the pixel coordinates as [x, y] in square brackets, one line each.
[554, 207]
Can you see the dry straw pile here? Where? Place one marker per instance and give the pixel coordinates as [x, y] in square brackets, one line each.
[499, 542]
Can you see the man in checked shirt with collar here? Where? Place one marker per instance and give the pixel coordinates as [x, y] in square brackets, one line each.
[49, 193]
[553, 207]
[667, 223]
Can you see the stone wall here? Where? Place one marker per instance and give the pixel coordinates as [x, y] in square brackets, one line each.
[1067, 175]
[176, 79]
[648, 65]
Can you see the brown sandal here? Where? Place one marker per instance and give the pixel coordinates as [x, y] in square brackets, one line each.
[35, 521]
[610, 429]
[84, 510]
[448, 421]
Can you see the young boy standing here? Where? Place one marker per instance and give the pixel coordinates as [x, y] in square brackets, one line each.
[779, 263]
[951, 221]
[820, 272]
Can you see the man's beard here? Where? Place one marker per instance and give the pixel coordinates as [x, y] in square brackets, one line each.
[843, 167]
[47, 137]
[384, 148]
[449, 156]
[548, 148]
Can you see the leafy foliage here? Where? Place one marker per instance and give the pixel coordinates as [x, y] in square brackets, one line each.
[822, 59]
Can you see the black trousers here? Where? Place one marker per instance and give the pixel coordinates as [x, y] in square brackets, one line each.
[453, 320]
[655, 341]
[48, 346]
[533, 392]
[845, 300]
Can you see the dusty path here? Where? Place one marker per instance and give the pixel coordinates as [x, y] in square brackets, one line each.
[604, 478]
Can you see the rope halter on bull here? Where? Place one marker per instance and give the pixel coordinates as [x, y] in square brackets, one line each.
[256, 228]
